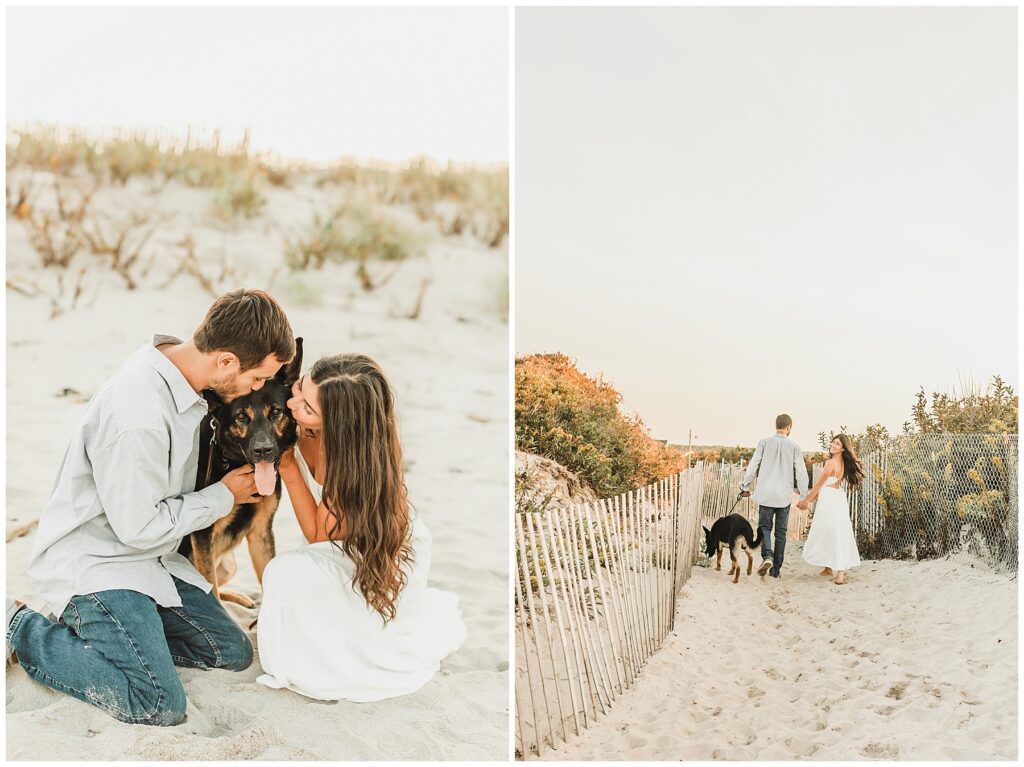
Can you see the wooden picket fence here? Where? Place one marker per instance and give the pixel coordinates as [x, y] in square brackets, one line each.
[595, 593]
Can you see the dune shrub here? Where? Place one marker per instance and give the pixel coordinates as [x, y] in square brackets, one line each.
[357, 230]
[459, 198]
[121, 159]
[239, 197]
[44, 149]
[575, 420]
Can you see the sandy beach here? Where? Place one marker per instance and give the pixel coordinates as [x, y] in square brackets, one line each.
[909, 660]
[449, 366]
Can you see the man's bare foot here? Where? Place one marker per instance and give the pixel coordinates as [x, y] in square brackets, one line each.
[826, 571]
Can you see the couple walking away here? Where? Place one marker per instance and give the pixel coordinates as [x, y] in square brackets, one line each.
[777, 464]
[347, 617]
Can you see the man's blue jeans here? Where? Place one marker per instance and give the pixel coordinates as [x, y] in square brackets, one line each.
[117, 650]
[767, 516]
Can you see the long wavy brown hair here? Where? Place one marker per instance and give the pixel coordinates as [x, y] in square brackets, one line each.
[364, 487]
[853, 472]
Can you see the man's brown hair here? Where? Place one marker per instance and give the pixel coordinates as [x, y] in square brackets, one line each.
[248, 323]
[783, 421]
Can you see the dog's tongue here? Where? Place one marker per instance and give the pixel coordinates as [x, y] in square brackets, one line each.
[266, 477]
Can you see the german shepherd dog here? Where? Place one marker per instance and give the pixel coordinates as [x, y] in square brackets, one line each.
[735, 532]
[254, 429]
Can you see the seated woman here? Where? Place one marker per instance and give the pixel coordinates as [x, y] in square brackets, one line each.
[350, 616]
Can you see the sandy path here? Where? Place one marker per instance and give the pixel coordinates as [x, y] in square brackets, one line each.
[910, 660]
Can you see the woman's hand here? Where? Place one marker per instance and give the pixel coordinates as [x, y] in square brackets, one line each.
[803, 505]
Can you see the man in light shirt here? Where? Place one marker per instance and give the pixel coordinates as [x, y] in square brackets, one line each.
[105, 557]
[778, 464]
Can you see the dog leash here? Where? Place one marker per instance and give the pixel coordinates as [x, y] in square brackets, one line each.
[735, 504]
[707, 557]
[213, 441]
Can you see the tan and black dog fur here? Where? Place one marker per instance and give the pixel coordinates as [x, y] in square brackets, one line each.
[732, 531]
[256, 427]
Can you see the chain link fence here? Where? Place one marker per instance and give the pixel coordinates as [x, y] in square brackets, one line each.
[936, 495]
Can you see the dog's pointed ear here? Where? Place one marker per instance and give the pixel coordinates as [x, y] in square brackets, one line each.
[289, 374]
[705, 529]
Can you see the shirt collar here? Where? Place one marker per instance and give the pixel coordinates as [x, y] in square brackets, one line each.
[182, 392]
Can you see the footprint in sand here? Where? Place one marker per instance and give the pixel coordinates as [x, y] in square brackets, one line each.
[221, 719]
[755, 692]
[880, 751]
[963, 724]
[897, 691]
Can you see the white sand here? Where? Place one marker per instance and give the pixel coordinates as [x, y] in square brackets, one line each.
[450, 370]
[909, 660]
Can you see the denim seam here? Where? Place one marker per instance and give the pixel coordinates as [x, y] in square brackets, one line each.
[190, 662]
[206, 634]
[135, 648]
[78, 617]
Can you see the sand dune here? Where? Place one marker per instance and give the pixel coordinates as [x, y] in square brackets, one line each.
[909, 660]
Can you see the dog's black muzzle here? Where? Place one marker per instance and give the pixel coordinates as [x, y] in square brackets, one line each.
[263, 448]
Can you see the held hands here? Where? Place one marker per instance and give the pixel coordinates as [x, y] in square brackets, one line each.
[803, 505]
[242, 484]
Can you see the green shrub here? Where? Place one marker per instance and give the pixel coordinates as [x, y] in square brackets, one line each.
[970, 410]
[573, 419]
[238, 197]
[44, 149]
[123, 159]
[480, 195]
[311, 250]
[359, 231]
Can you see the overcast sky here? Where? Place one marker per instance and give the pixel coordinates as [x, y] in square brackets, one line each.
[315, 83]
[733, 213]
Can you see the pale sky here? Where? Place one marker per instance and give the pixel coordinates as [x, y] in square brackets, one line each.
[733, 213]
[312, 83]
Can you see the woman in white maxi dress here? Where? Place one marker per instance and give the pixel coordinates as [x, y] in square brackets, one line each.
[831, 543]
[318, 634]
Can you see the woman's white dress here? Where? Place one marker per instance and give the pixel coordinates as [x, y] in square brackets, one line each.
[831, 542]
[318, 637]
